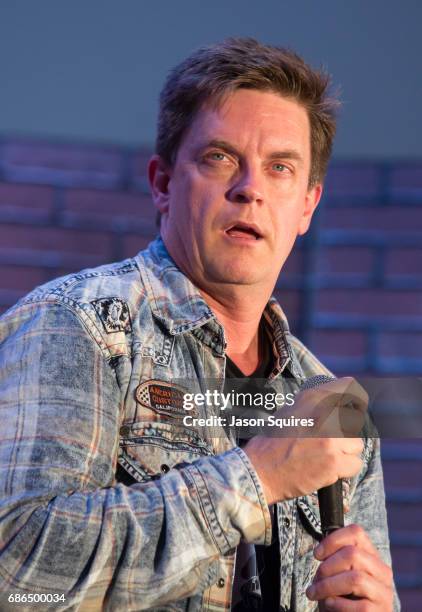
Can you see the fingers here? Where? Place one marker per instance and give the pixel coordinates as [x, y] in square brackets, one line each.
[341, 604]
[346, 446]
[352, 535]
[355, 583]
[292, 467]
[351, 558]
[351, 565]
[337, 407]
[352, 462]
[352, 446]
[343, 456]
[350, 468]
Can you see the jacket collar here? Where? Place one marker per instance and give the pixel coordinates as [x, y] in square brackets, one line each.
[178, 305]
[173, 298]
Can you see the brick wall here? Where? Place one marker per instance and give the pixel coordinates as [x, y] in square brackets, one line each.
[351, 288]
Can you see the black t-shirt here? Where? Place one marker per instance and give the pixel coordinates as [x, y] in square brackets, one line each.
[267, 557]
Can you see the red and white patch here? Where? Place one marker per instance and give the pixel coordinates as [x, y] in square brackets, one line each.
[164, 398]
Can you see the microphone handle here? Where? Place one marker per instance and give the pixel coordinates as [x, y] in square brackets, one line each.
[331, 507]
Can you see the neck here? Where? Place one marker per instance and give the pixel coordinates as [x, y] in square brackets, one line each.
[238, 308]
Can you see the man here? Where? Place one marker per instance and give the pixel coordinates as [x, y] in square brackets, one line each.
[108, 500]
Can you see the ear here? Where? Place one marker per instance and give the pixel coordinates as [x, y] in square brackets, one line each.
[159, 176]
[311, 202]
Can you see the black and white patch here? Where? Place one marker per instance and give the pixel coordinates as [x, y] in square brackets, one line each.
[114, 314]
[310, 512]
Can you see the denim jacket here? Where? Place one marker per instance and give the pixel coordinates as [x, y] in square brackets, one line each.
[106, 498]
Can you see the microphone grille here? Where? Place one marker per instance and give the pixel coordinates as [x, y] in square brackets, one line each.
[316, 381]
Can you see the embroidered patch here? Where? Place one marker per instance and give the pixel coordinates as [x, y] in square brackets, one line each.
[114, 314]
[163, 397]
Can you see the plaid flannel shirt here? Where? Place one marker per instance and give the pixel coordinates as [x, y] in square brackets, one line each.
[109, 501]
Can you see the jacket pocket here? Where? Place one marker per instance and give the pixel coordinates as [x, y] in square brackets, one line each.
[149, 449]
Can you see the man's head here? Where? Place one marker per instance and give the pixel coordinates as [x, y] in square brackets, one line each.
[244, 137]
[211, 73]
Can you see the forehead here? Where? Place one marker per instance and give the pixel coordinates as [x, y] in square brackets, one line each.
[248, 116]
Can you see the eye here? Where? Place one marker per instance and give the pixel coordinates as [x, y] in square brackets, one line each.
[217, 156]
[280, 167]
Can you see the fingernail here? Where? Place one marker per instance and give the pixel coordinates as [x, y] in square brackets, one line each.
[310, 591]
[319, 551]
[329, 603]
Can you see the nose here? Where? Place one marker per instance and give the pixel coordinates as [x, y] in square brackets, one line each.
[247, 188]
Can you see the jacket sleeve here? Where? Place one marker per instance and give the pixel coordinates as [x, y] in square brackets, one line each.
[65, 526]
[367, 507]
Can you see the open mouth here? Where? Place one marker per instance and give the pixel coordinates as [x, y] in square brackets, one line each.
[241, 230]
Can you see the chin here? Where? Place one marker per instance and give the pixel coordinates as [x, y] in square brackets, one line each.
[238, 275]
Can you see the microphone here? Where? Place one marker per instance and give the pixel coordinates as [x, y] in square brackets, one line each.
[331, 507]
[330, 498]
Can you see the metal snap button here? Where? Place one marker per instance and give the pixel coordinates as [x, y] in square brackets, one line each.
[125, 430]
[221, 582]
[286, 522]
[164, 468]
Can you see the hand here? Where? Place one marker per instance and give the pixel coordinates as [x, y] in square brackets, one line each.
[351, 566]
[297, 465]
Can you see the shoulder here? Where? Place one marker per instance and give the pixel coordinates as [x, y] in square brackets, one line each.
[89, 284]
[104, 300]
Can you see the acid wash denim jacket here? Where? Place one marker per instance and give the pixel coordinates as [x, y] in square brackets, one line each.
[106, 500]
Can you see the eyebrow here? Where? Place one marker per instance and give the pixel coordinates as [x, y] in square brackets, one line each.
[229, 148]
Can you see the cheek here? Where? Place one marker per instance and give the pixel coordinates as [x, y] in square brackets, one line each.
[287, 221]
[284, 235]
[206, 203]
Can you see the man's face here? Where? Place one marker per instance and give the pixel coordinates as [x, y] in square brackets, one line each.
[237, 195]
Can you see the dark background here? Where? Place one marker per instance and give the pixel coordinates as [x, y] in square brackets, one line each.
[79, 84]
